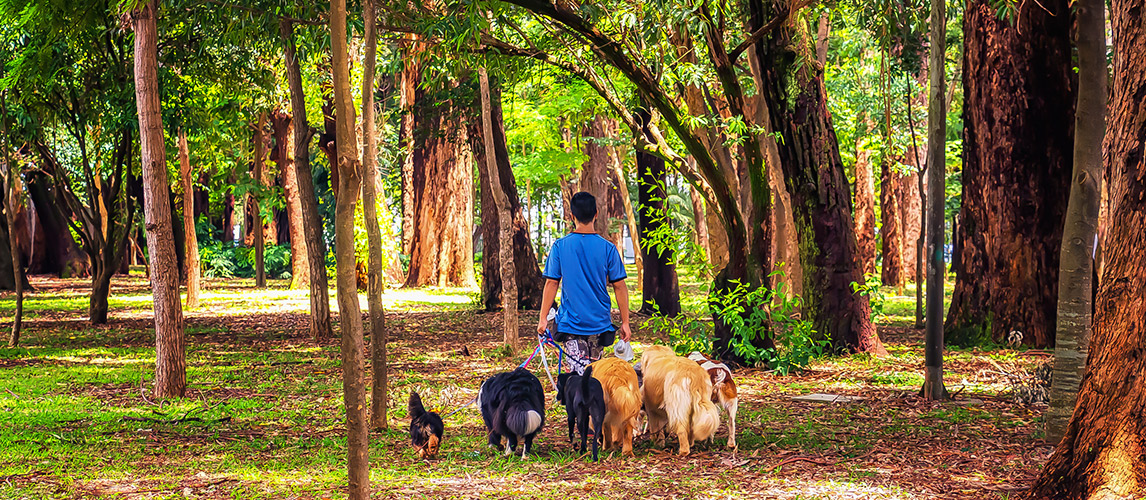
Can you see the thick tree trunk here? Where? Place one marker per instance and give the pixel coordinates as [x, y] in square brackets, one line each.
[911, 221]
[1072, 333]
[823, 29]
[61, 255]
[933, 388]
[661, 292]
[595, 170]
[170, 367]
[529, 282]
[375, 280]
[1018, 117]
[1101, 454]
[190, 239]
[865, 211]
[283, 155]
[441, 249]
[320, 327]
[255, 217]
[814, 174]
[891, 229]
[350, 316]
[505, 219]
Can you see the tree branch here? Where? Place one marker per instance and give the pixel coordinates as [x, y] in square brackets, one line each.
[759, 34]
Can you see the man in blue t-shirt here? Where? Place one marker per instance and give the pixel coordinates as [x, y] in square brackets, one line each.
[583, 264]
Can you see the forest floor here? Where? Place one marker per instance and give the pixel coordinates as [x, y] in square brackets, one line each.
[263, 415]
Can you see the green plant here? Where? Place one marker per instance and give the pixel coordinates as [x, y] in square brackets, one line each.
[685, 333]
[871, 288]
[754, 312]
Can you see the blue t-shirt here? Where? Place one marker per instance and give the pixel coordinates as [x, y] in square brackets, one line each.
[585, 263]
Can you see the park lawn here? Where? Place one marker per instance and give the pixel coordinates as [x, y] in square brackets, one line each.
[263, 413]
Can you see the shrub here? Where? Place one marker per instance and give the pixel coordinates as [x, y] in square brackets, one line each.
[871, 288]
[685, 333]
[219, 259]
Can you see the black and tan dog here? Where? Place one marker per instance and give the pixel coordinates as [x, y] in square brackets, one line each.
[426, 428]
[584, 399]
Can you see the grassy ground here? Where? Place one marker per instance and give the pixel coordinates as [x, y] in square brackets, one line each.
[263, 416]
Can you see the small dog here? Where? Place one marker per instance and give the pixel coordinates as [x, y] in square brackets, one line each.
[584, 400]
[723, 390]
[622, 402]
[512, 405]
[677, 394]
[425, 428]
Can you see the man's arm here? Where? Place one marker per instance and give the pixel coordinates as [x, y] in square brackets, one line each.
[547, 298]
[622, 292]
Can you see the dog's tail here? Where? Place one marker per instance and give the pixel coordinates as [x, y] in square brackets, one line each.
[705, 418]
[624, 398]
[585, 378]
[415, 407]
[522, 421]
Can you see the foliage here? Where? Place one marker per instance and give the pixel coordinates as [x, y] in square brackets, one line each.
[221, 259]
[685, 333]
[871, 288]
[752, 313]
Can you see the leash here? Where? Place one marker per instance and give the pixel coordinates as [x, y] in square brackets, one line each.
[462, 407]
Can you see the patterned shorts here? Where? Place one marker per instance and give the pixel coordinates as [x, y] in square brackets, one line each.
[580, 352]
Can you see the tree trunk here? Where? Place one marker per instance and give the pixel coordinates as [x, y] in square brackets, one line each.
[1076, 260]
[255, 217]
[814, 175]
[375, 280]
[933, 388]
[320, 327]
[700, 221]
[891, 230]
[822, 31]
[505, 219]
[441, 247]
[10, 176]
[170, 367]
[910, 221]
[62, 256]
[229, 212]
[190, 239]
[529, 282]
[661, 292]
[865, 211]
[283, 155]
[595, 170]
[631, 220]
[1101, 454]
[1017, 141]
[350, 316]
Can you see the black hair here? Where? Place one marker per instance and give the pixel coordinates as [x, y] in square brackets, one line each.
[584, 207]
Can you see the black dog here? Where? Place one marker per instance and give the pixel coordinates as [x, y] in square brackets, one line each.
[584, 399]
[425, 428]
[512, 405]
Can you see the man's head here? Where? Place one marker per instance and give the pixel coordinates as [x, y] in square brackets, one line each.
[584, 207]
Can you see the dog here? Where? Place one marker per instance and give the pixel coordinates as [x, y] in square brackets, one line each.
[512, 406]
[723, 390]
[426, 428]
[584, 400]
[677, 394]
[622, 402]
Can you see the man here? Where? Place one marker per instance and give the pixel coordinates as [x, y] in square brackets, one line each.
[583, 264]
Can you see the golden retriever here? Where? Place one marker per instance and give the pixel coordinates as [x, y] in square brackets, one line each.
[622, 402]
[677, 392]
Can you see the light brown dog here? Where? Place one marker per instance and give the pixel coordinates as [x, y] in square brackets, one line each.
[723, 389]
[677, 392]
[622, 402]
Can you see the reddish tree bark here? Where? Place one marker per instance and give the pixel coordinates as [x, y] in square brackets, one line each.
[170, 367]
[1101, 454]
[595, 169]
[891, 230]
[529, 281]
[283, 156]
[190, 239]
[865, 210]
[1018, 117]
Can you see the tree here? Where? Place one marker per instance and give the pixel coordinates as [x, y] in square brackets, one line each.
[595, 170]
[1018, 118]
[350, 315]
[660, 289]
[12, 197]
[170, 367]
[190, 239]
[255, 216]
[529, 281]
[891, 230]
[864, 210]
[312, 225]
[933, 388]
[283, 155]
[505, 219]
[374, 266]
[1100, 455]
[1076, 260]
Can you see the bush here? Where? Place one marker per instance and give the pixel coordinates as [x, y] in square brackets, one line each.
[752, 313]
[871, 288]
[686, 334]
[225, 260]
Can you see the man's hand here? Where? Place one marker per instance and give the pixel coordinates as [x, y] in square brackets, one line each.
[626, 333]
[542, 324]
